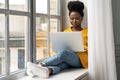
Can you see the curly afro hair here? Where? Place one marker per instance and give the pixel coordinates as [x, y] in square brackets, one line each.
[76, 6]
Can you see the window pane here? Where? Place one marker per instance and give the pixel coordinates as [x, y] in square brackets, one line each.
[17, 42]
[54, 7]
[41, 6]
[2, 44]
[20, 5]
[53, 25]
[2, 3]
[53, 28]
[41, 38]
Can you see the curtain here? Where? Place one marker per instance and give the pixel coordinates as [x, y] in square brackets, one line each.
[100, 41]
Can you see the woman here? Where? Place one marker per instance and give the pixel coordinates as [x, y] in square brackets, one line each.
[62, 60]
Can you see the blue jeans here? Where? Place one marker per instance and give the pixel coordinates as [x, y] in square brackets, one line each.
[65, 58]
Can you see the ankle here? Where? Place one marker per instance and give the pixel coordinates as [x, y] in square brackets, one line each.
[50, 71]
[41, 64]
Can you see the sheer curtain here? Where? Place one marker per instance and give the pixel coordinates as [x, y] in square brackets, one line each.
[101, 42]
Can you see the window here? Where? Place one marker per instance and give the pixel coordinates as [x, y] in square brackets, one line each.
[2, 3]
[18, 5]
[17, 27]
[54, 7]
[47, 20]
[18, 20]
[14, 24]
[41, 6]
[53, 25]
[41, 37]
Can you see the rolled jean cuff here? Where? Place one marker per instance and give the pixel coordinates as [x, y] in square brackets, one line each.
[55, 70]
[42, 63]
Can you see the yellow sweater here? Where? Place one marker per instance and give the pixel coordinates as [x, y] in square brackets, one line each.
[82, 55]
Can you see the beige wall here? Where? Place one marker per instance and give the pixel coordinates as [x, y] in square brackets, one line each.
[65, 16]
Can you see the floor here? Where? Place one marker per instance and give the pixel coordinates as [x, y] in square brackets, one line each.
[71, 74]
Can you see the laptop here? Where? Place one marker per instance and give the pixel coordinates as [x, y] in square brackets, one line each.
[73, 40]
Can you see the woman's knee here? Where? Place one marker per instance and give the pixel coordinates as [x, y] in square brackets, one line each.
[62, 54]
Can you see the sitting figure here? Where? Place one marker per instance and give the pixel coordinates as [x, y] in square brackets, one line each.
[65, 58]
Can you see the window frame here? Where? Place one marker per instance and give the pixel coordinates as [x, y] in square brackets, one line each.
[6, 11]
[31, 37]
[48, 16]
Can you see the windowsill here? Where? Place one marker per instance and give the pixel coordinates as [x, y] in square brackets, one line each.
[70, 74]
[14, 75]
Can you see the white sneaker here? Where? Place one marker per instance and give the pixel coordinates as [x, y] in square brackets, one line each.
[29, 73]
[42, 72]
[29, 64]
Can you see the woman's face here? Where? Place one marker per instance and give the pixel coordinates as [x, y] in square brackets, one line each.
[75, 19]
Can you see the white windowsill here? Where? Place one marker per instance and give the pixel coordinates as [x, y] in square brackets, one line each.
[70, 74]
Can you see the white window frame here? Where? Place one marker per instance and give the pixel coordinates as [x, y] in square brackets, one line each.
[49, 16]
[6, 11]
[31, 44]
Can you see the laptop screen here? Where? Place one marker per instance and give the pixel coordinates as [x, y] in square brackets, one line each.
[73, 40]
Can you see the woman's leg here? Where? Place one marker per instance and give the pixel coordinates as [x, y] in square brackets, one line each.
[56, 69]
[44, 72]
[64, 55]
